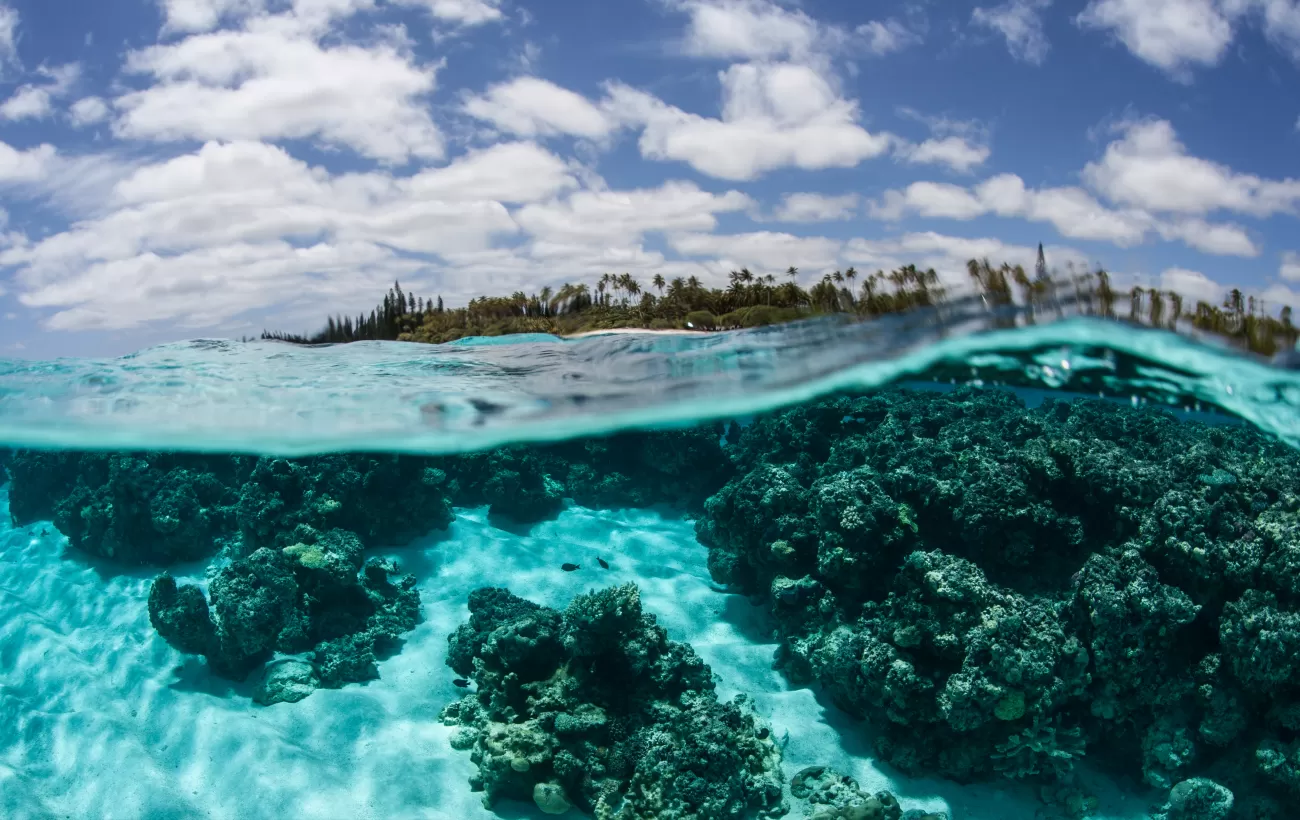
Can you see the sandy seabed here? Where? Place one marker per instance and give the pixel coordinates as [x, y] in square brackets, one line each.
[99, 718]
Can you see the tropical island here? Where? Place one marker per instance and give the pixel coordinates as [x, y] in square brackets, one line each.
[756, 300]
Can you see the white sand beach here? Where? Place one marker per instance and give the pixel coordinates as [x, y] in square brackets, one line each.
[624, 331]
[101, 719]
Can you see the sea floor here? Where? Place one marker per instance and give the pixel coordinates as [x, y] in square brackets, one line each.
[100, 718]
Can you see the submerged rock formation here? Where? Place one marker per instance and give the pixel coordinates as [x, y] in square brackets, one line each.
[162, 508]
[596, 709]
[158, 509]
[317, 596]
[998, 589]
[294, 530]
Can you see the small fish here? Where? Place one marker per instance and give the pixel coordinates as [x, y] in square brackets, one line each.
[461, 682]
[45, 532]
[569, 567]
[602, 563]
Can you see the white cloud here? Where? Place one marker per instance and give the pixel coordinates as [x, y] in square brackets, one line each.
[623, 217]
[518, 172]
[27, 103]
[8, 35]
[881, 38]
[1177, 36]
[173, 233]
[802, 207]
[275, 80]
[1020, 22]
[88, 111]
[1192, 285]
[948, 254]
[958, 153]
[1149, 168]
[764, 30]
[192, 16]
[1221, 240]
[22, 166]
[773, 116]
[1290, 269]
[1173, 35]
[1074, 212]
[747, 30]
[759, 250]
[463, 12]
[1278, 296]
[531, 107]
[36, 101]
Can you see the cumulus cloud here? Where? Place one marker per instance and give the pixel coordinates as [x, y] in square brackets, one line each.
[948, 254]
[188, 16]
[958, 153]
[1173, 35]
[276, 79]
[774, 115]
[27, 103]
[276, 224]
[803, 207]
[1192, 285]
[1148, 167]
[197, 239]
[35, 101]
[1218, 239]
[764, 30]
[811, 254]
[1178, 36]
[1290, 269]
[88, 111]
[532, 107]
[1020, 22]
[1072, 211]
[462, 12]
[29, 165]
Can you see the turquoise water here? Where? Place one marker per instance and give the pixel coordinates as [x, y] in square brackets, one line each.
[948, 570]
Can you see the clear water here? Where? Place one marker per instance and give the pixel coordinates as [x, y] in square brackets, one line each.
[103, 717]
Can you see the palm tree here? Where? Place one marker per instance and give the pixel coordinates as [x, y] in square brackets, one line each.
[658, 282]
[793, 273]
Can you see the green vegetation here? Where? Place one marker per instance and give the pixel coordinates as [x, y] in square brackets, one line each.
[755, 300]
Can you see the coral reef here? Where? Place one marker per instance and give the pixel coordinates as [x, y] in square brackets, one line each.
[595, 708]
[158, 509]
[999, 589]
[834, 796]
[316, 596]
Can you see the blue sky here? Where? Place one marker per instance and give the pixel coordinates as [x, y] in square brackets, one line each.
[180, 168]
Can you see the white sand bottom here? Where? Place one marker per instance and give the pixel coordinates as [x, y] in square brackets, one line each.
[96, 721]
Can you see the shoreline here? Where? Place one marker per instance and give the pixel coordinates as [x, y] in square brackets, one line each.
[623, 331]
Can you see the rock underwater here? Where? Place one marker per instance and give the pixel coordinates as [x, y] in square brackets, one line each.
[998, 589]
[597, 709]
[318, 596]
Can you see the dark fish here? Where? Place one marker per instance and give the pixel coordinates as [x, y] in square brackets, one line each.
[45, 532]
[602, 563]
[461, 682]
[568, 567]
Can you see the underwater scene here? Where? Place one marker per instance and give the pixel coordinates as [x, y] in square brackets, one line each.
[832, 570]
